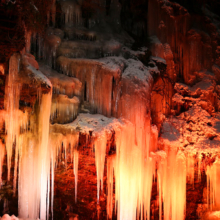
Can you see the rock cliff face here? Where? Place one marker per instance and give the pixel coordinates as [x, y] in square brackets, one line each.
[129, 127]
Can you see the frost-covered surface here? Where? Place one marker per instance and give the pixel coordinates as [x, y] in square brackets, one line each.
[203, 93]
[37, 77]
[86, 123]
[194, 129]
[159, 60]
[32, 74]
[114, 86]
[135, 70]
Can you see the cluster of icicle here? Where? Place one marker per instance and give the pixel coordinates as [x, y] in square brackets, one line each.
[71, 13]
[133, 166]
[64, 109]
[28, 134]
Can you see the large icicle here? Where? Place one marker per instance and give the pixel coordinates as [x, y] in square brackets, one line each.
[12, 107]
[172, 185]
[213, 181]
[110, 173]
[34, 168]
[2, 155]
[100, 150]
[76, 162]
[134, 171]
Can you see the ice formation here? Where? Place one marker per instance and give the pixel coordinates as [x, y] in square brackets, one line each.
[120, 87]
[64, 109]
[12, 107]
[172, 185]
[29, 134]
[100, 151]
[213, 181]
[2, 156]
[76, 162]
[71, 13]
[133, 166]
[62, 84]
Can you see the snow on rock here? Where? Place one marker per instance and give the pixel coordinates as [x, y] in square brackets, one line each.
[141, 54]
[86, 123]
[159, 60]
[37, 77]
[202, 93]
[194, 129]
[29, 59]
[31, 74]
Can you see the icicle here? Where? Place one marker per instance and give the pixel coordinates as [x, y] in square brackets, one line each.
[2, 156]
[53, 13]
[44, 118]
[213, 181]
[34, 168]
[2, 69]
[110, 170]
[172, 186]
[199, 166]
[64, 109]
[71, 13]
[76, 162]
[100, 150]
[134, 171]
[62, 84]
[16, 168]
[27, 41]
[190, 167]
[12, 107]
[52, 183]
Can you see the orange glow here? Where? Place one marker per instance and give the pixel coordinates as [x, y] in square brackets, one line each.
[100, 150]
[172, 185]
[2, 155]
[213, 182]
[2, 69]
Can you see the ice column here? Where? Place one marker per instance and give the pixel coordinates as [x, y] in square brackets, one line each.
[34, 167]
[76, 162]
[213, 182]
[134, 171]
[100, 150]
[172, 185]
[12, 96]
[2, 155]
[110, 179]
